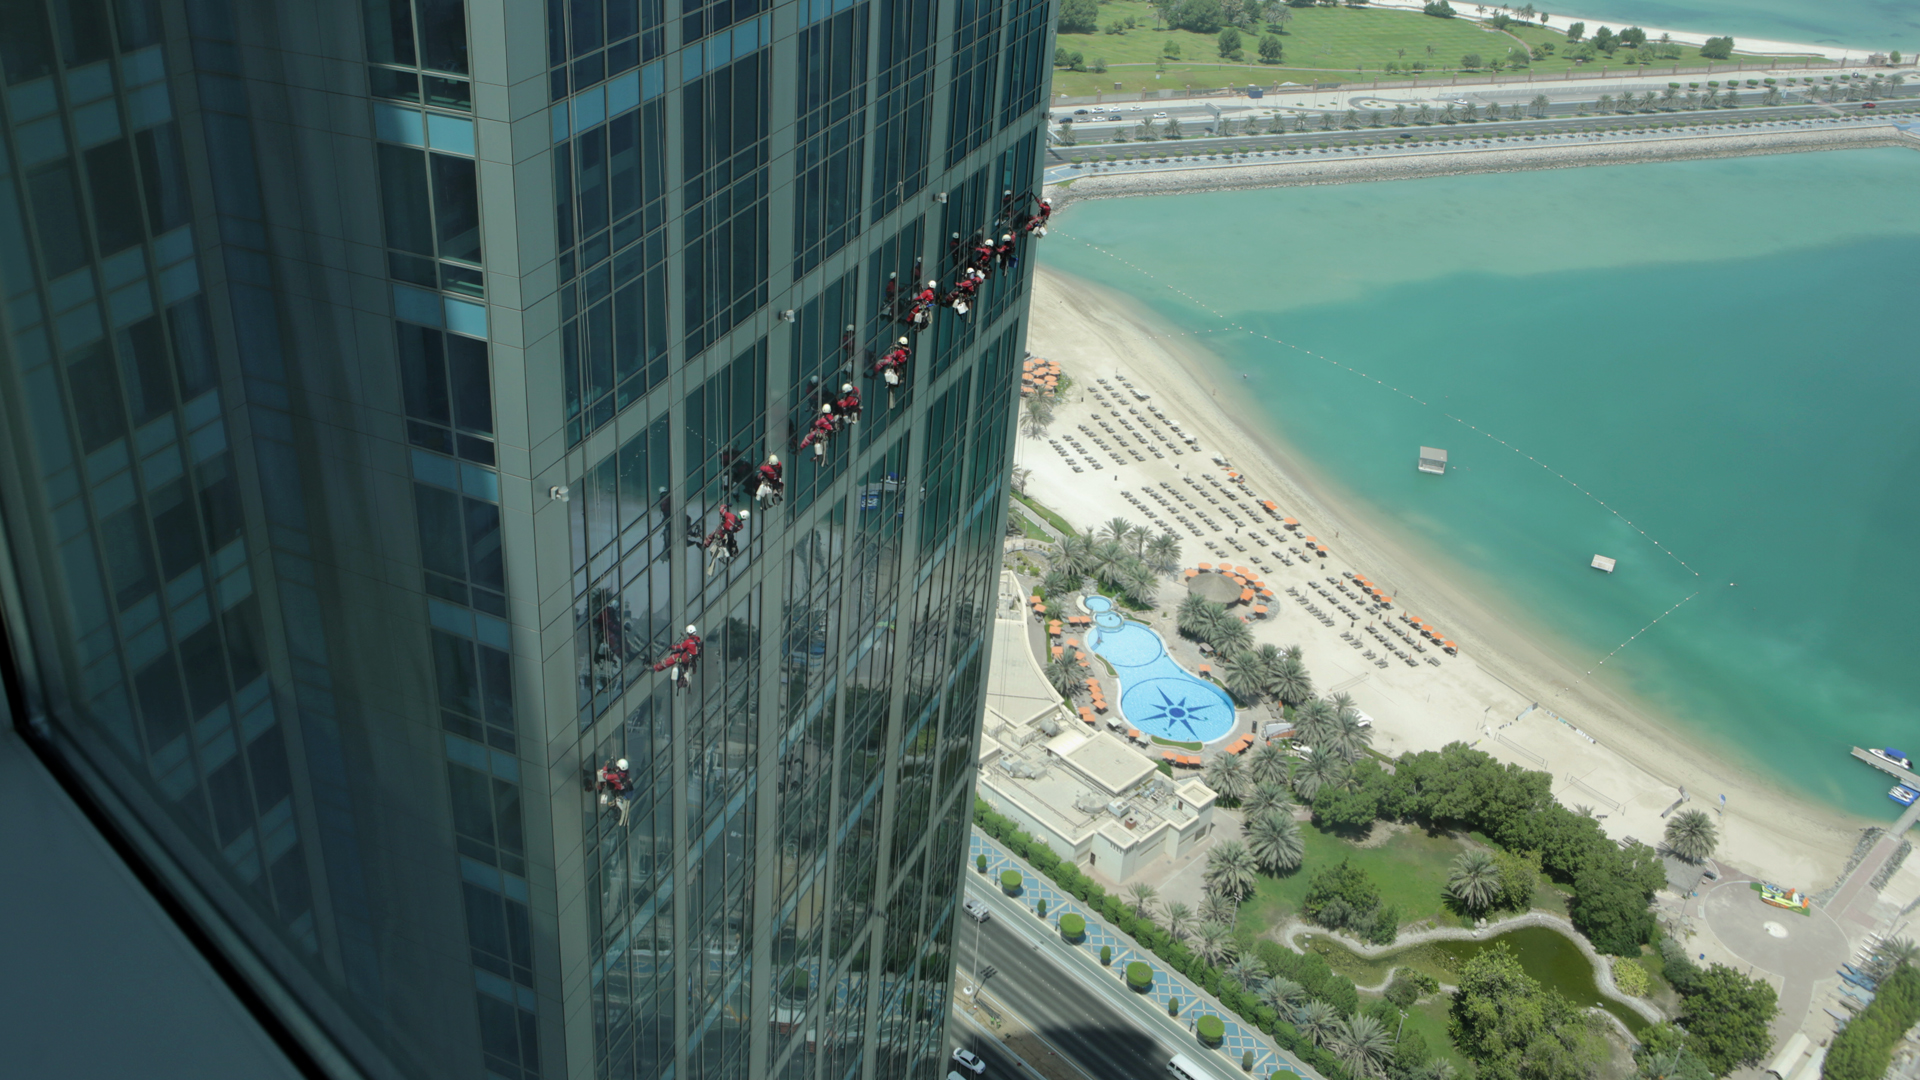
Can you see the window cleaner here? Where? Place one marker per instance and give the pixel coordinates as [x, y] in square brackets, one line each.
[682, 659]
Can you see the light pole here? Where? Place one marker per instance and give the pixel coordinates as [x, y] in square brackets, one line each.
[973, 969]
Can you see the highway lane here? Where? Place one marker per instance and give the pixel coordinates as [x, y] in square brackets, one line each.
[1057, 1003]
[1001, 1065]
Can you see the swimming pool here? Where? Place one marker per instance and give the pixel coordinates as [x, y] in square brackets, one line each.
[1157, 695]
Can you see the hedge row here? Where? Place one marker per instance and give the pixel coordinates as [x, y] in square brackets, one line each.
[1864, 1048]
[1153, 938]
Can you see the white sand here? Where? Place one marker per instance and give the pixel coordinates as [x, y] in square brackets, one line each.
[1752, 46]
[1628, 766]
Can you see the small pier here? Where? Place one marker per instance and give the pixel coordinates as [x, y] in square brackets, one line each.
[1889, 768]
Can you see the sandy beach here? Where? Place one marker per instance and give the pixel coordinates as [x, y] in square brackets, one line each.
[1503, 693]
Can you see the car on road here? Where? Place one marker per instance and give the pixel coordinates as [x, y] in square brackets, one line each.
[1080, 112]
[1159, 116]
[977, 910]
[1116, 116]
[969, 1061]
[1866, 105]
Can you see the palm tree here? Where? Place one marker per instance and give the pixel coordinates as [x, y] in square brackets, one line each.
[1059, 583]
[1141, 895]
[1063, 674]
[1227, 776]
[1268, 764]
[1364, 1046]
[1539, 105]
[1231, 871]
[1193, 615]
[1318, 772]
[1213, 942]
[1282, 995]
[1117, 530]
[1313, 722]
[1179, 919]
[1217, 908]
[1107, 557]
[1347, 738]
[1265, 797]
[1289, 680]
[1229, 634]
[1019, 477]
[1318, 1021]
[1138, 581]
[1437, 1069]
[1399, 116]
[1474, 880]
[1248, 971]
[1672, 1065]
[1691, 835]
[1275, 841]
[1245, 675]
[1037, 416]
[1076, 554]
[1162, 553]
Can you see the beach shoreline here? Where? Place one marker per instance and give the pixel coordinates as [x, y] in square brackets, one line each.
[1319, 169]
[1623, 757]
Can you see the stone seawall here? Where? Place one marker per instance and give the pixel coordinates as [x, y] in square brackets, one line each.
[1319, 169]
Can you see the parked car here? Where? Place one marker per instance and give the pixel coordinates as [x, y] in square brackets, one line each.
[977, 910]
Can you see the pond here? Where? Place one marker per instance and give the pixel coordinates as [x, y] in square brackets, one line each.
[1157, 695]
[1544, 953]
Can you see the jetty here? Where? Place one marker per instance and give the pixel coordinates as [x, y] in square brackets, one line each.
[1889, 768]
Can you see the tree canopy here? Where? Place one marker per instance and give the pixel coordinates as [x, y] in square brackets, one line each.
[1726, 1017]
[1516, 1029]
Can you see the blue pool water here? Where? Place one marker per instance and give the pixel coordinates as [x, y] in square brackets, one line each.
[1157, 695]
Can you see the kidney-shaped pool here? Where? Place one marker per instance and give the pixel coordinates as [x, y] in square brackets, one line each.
[1157, 695]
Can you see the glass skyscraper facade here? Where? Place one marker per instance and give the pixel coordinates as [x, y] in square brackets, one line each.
[366, 367]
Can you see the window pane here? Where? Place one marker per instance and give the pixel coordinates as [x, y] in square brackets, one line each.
[423, 377]
[163, 178]
[95, 392]
[116, 203]
[472, 395]
[56, 208]
[440, 547]
[483, 545]
[389, 31]
[403, 197]
[443, 34]
[456, 204]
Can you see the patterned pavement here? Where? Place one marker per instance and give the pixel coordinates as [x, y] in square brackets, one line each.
[1167, 983]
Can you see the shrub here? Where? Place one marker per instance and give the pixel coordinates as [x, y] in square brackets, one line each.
[1211, 1030]
[1073, 927]
[1106, 956]
[1630, 977]
[1139, 976]
[1173, 1006]
[1010, 880]
[1040, 907]
[981, 862]
[1246, 1061]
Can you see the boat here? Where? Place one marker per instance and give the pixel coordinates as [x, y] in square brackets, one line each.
[1790, 898]
[1892, 757]
[1863, 984]
[1903, 794]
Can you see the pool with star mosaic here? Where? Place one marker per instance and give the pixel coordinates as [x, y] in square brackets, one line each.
[1157, 695]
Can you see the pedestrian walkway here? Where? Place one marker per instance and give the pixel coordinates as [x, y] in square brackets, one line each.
[1167, 983]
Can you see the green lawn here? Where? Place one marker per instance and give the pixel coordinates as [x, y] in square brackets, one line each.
[1429, 1017]
[1322, 45]
[1410, 871]
[1045, 514]
[1027, 527]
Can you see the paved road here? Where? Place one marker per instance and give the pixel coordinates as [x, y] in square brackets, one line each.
[1059, 1005]
[1196, 142]
[1000, 1064]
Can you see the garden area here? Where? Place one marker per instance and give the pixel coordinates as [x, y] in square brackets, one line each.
[1179, 46]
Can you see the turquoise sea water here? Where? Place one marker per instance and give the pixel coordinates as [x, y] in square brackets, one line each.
[1861, 24]
[1727, 352]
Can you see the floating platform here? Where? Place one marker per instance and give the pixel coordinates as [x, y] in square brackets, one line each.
[1433, 460]
[1601, 562]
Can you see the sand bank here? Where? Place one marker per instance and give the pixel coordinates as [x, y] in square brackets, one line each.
[1348, 167]
[1623, 759]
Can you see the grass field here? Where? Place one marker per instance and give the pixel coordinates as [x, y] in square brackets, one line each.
[1410, 870]
[1321, 45]
[1429, 1017]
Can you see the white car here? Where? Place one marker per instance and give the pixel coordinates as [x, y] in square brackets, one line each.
[1159, 116]
[969, 1061]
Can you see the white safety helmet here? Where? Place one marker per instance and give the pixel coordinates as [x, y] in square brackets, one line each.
[903, 341]
[1004, 237]
[826, 406]
[746, 513]
[773, 459]
[690, 629]
[932, 283]
[621, 764]
[846, 388]
[1046, 202]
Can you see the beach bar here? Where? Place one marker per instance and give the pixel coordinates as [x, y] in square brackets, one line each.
[1433, 460]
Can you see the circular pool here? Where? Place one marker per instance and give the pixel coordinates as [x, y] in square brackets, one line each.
[1157, 695]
